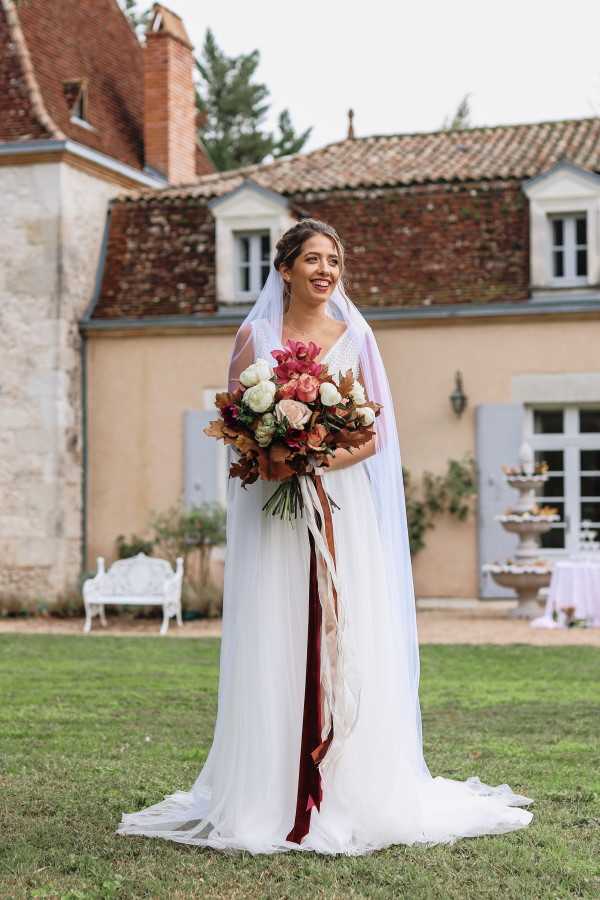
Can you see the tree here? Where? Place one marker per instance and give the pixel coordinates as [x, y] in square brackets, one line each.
[234, 108]
[289, 141]
[461, 118]
[137, 15]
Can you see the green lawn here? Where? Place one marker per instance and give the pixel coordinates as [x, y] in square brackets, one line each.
[90, 727]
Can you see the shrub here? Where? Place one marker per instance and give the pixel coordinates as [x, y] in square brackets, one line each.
[193, 533]
[133, 546]
[451, 493]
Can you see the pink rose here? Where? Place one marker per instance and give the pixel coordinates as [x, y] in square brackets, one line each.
[287, 391]
[307, 388]
[295, 412]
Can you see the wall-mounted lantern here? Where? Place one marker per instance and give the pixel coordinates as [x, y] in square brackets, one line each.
[458, 398]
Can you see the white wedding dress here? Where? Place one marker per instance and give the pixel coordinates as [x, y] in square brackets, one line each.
[378, 791]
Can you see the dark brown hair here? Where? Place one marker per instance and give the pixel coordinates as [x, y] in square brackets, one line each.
[289, 246]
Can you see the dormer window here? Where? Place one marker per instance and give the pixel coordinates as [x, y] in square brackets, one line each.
[569, 249]
[76, 95]
[564, 213]
[249, 221]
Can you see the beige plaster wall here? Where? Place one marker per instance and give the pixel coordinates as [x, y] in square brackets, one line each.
[140, 386]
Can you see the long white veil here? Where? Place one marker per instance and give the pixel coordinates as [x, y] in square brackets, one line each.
[384, 467]
[246, 792]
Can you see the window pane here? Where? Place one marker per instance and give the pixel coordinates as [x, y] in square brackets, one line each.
[245, 249]
[589, 420]
[244, 278]
[554, 539]
[548, 421]
[590, 510]
[590, 460]
[554, 487]
[558, 232]
[590, 486]
[554, 458]
[558, 267]
[581, 230]
[582, 262]
[264, 275]
[265, 247]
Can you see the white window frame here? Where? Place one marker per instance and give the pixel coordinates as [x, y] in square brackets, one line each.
[569, 248]
[255, 263]
[571, 441]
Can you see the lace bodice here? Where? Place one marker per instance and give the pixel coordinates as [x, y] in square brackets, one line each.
[340, 357]
[343, 355]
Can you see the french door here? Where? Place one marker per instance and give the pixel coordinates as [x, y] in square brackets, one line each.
[568, 439]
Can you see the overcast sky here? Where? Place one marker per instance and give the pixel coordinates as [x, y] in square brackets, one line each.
[404, 66]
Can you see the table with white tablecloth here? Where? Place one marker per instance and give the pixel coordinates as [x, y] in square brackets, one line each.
[574, 594]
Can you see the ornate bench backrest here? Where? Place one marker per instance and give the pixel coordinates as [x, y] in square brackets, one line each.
[139, 575]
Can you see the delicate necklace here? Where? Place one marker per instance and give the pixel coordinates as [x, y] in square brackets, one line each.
[296, 330]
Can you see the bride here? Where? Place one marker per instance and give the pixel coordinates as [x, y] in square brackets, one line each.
[266, 786]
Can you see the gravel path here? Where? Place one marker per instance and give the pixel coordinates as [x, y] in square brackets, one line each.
[472, 623]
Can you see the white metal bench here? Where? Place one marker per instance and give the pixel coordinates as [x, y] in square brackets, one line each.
[138, 581]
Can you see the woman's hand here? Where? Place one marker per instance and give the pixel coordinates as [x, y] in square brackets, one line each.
[343, 458]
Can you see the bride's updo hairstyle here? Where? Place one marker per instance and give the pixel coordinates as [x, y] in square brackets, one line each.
[289, 247]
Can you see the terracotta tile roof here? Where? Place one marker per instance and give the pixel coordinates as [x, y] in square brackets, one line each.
[69, 41]
[499, 152]
[22, 115]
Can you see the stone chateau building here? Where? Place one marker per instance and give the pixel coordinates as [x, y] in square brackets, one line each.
[475, 251]
[85, 112]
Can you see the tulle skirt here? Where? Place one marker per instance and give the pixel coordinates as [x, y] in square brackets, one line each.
[378, 792]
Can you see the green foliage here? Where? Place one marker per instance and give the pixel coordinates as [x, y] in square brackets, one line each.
[439, 494]
[93, 727]
[234, 108]
[461, 117]
[133, 546]
[192, 533]
[288, 141]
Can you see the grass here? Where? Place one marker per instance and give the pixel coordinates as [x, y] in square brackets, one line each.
[92, 727]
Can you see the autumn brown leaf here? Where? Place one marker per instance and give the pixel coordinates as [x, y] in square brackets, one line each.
[347, 438]
[246, 468]
[222, 400]
[346, 382]
[245, 443]
[215, 429]
[279, 453]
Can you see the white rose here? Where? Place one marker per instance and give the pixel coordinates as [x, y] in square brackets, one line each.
[358, 393]
[260, 396]
[330, 396]
[258, 371]
[366, 415]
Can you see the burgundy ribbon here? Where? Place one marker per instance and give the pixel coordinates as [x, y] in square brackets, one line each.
[312, 749]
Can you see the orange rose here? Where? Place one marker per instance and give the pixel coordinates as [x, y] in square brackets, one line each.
[316, 437]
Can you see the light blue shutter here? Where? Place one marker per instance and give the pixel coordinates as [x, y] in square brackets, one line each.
[498, 437]
[200, 459]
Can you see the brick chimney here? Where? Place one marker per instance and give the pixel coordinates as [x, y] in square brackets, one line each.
[169, 98]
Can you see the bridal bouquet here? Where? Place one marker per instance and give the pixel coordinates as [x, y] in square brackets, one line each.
[286, 421]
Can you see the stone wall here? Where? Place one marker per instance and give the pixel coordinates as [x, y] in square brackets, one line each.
[51, 223]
